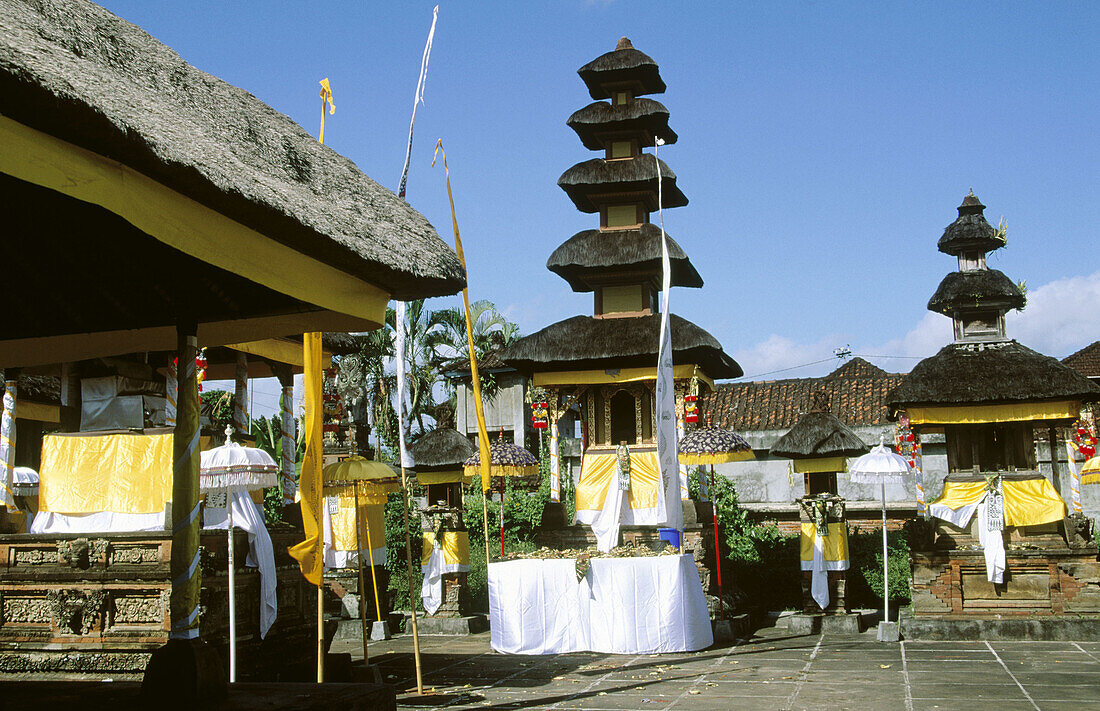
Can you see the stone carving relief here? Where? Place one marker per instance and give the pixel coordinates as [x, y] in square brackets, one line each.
[139, 608]
[35, 556]
[82, 553]
[24, 610]
[134, 555]
[77, 611]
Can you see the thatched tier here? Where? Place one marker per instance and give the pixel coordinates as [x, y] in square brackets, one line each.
[625, 66]
[586, 343]
[819, 434]
[970, 232]
[440, 449]
[972, 289]
[586, 256]
[645, 117]
[75, 71]
[586, 182]
[988, 374]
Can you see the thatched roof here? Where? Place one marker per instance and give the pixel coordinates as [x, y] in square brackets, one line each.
[586, 343]
[625, 65]
[970, 231]
[856, 390]
[44, 389]
[75, 71]
[644, 115]
[988, 287]
[819, 434]
[591, 253]
[990, 373]
[440, 449]
[620, 175]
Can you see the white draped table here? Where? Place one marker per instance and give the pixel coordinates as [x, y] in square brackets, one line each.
[642, 605]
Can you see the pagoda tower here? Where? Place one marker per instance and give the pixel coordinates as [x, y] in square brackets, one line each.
[1000, 542]
[603, 366]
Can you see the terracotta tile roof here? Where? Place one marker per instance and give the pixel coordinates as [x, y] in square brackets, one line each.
[857, 393]
[1086, 361]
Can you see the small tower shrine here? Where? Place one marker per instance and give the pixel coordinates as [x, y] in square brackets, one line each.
[819, 445]
[603, 366]
[999, 542]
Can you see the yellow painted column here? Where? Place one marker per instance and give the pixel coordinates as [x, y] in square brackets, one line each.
[186, 577]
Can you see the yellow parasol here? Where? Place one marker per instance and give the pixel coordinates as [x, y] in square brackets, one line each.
[349, 478]
[1090, 472]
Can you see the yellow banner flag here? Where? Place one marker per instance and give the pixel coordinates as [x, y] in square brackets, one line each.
[482, 435]
[308, 552]
[326, 101]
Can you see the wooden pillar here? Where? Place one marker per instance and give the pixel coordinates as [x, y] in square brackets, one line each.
[240, 397]
[7, 439]
[286, 427]
[186, 578]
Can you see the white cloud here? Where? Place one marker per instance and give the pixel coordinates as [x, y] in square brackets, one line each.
[791, 359]
[1060, 317]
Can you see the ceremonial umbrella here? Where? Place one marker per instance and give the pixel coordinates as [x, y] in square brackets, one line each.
[226, 470]
[714, 445]
[25, 482]
[376, 479]
[880, 466]
[505, 460]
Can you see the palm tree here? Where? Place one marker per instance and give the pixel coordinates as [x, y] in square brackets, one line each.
[492, 331]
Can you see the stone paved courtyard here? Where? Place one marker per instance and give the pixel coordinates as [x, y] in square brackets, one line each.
[771, 670]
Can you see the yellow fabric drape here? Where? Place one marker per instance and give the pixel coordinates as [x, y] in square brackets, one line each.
[836, 542]
[598, 473]
[820, 464]
[308, 553]
[123, 473]
[1030, 502]
[455, 545]
[452, 477]
[371, 515]
[720, 458]
[979, 414]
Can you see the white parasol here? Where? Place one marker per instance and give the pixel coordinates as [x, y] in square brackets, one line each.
[880, 466]
[229, 469]
[25, 482]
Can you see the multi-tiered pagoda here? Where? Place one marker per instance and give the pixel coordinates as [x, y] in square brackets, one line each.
[604, 365]
[1001, 544]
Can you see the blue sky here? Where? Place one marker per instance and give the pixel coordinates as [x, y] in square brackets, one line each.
[823, 146]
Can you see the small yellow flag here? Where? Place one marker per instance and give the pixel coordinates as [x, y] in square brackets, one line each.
[308, 552]
[326, 100]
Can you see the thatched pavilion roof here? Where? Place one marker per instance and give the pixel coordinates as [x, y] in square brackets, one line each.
[440, 449]
[970, 231]
[975, 288]
[819, 434]
[587, 343]
[638, 174]
[990, 373]
[624, 65]
[75, 71]
[644, 115]
[594, 252]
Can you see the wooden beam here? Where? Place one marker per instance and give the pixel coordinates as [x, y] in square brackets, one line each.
[280, 350]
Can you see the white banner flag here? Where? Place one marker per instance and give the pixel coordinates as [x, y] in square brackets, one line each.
[400, 355]
[667, 453]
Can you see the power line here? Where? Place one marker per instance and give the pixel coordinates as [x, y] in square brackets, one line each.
[793, 367]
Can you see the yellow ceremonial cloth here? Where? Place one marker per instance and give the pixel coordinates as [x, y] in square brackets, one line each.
[1091, 478]
[979, 414]
[456, 547]
[836, 542]
[598, 473]
[308, 552]
[122, 473]
[1029, 502]
[691, 458]
[820, 464]
[371, 515]
[452, 477]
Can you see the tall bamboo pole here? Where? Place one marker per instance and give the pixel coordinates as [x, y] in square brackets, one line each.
[412, 595]
[362, 580]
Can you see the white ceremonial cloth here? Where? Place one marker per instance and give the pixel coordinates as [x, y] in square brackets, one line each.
[248, 517]
[993, 545]
[534, 607]
[100, 522]
[644, 605]
[431, 590]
